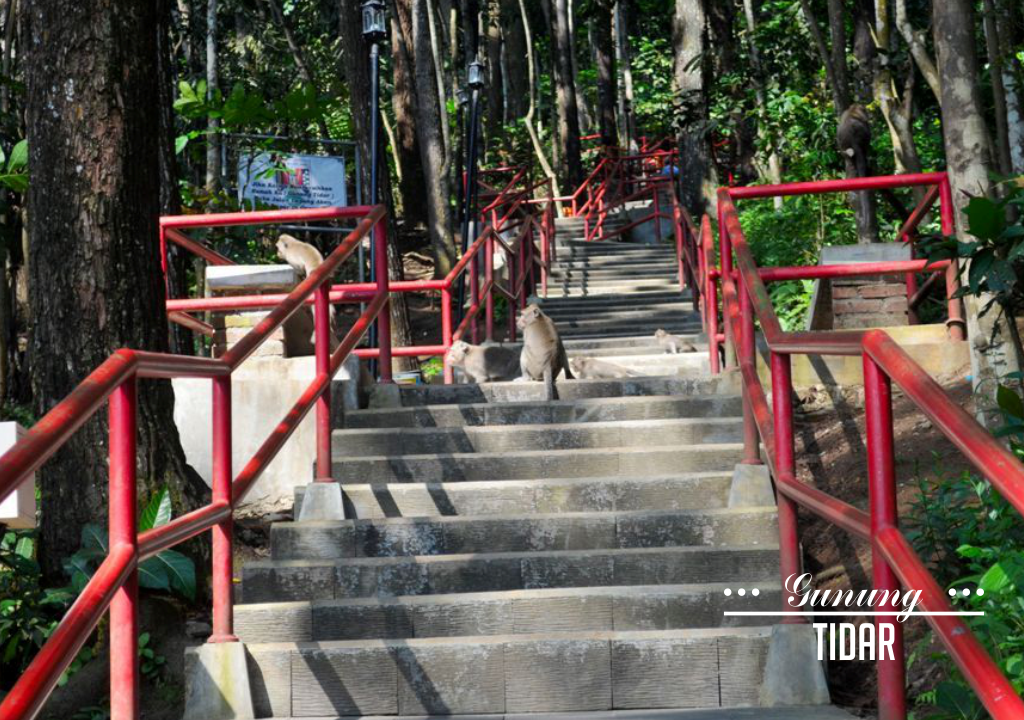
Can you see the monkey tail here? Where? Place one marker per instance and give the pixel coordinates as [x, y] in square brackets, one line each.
[565, 366]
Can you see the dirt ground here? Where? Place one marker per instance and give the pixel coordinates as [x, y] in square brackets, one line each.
[831, 457]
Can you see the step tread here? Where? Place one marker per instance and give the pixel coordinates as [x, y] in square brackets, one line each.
[820, 712]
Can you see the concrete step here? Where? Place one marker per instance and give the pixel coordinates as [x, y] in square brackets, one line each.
[782, 713]
[283, 580]
[557, 290]
[529, 464]
[504, 392]
[460, 535]
[610, 268]
[635, 343]
[620, 301]
[610, 260]
[676, 317]
[351, 443]
[625, 328]
[692, 491]
[512, 612]
[487, 675]
[557, 411]
[594, 308]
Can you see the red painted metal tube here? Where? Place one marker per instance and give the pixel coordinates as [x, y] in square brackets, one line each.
[833, 186]
[265, 217]
[123, 531]
[197, 248]
[349, 293]
[407, 351]
[993, 689]
[713, 342]
[785, 464]
[489, 280]
[946, 210]
[957, 326]
[322, 348]
[182, 528]
[988, 455]
[446, 326]
[192, 323]
[474, 296]
[892, 698]
[815, 272]
[223, 591]
[469, 317]
[751, 451]
[906, 233]
[460, 266]
[56, 426]
[26, 698]
[161, 365]
[922, 292]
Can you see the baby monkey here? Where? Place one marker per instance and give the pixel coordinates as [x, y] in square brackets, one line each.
[672, 344]
[489, 363]
[543, 355]
[588, 368]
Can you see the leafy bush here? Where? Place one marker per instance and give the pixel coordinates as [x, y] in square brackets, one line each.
[169, 570]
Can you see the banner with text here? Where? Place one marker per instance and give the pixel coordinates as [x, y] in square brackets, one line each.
[292, 181]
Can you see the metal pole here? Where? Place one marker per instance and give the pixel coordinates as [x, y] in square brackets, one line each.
[785, 464]
[892, 699]
[469, 197]
[124, 610]
[223, 591]
[322, 348]
[374, 165]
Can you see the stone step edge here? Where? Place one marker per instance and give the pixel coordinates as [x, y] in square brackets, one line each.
[620, 450]
[269, 564]
[538, 427]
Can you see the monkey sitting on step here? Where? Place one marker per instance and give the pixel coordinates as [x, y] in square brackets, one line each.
[299, 328]
[543, 355]
[588, 368]
[490, 363]
[672, 344]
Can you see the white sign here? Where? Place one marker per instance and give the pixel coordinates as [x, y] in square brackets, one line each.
[17, 510]
[292, 181]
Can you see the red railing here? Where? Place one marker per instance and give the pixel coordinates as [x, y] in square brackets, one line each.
[746, 299]
[115, 583]
[528, 255]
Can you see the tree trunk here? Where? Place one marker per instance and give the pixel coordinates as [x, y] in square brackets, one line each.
[897, 114]
[915, 40]
[412, 182]
[432, 154]
[568, 111]
[213, 168]
[688, 30]
[495, 114]
[1011, 37]
[95, 165]
[516, 61]
[531, 64]
[773, 169]
[607, 82]
[969, 164]
[624, 56]
[355, 60]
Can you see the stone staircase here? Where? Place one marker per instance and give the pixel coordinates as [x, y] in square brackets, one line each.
[506, 555]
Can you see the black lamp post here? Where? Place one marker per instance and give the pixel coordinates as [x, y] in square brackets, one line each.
[475, 82]
[374, 31]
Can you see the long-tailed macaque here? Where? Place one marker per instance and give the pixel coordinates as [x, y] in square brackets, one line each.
[302, 256]
[490, 363]
[672, 344]
[298, 329]
[543, 355]
[588, 368]
[854, 137]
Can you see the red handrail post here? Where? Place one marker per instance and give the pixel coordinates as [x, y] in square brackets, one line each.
[751, 439]
[725, 262]
[446, 333]
[322, 347]
[544, 236]
[123, 519]
[712, 325]
[680, 232]
[892, 701]
[489, 282]
[474, 294]
[955, 324]
[782, 412]
[223, 590]
[511, 300]
[657, 213]
[380, 239]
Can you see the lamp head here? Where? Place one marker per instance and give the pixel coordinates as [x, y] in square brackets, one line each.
[475, 75]
[373, 20]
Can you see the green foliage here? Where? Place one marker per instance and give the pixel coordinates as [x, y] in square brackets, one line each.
[169, 570]
[432, 367]
[14, 175]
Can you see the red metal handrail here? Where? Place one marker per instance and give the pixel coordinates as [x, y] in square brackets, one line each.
[512, 208]
[115, 583]
[745, 298]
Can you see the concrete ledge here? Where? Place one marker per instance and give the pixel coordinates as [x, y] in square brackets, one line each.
[751, 487]
[217, 683]
[322, 501]
[793, 675]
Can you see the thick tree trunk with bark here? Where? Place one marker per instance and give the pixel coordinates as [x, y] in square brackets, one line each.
[213, 168]
[969, 164]
[565, 92]
[607, 82]
[624, 56]
[96, 283]
[516, 61]
[495, 115]
[355, 60]
[688, 32]
[411, 180]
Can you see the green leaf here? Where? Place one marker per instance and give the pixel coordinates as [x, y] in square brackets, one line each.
[158, 512]
[94, 537]
[180, 571]
[19, 157]
[153, 576]
[980, 266]
[957, 699]
[994, 580]
[180, 143]
[985, 218]
[1010, 402]
[25, 548]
